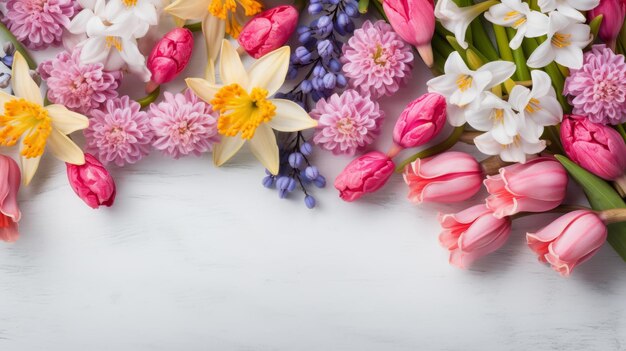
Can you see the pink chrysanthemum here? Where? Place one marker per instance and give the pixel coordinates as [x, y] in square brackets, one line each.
[376, 60]
[80, 87]
[598, 89]
[183, 125]
[119, 133]
[39, 23]
[347, 122]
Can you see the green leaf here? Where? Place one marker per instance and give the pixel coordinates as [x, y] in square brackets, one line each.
[601, 196]
[595, 25]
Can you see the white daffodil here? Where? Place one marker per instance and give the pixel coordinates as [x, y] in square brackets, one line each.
[246, 111]
[25, 120]
[456, 19]
[537, 107]
[107, 41]
[492, 114]
[462, 86]
[515, 151]
[569, 8]
[565, 43]
[144, 13]
[517, 15]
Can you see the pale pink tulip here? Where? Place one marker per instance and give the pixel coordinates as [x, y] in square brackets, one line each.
[10, 214]
[448, 177]
[268, 30]
[414, 21]
[613, 12]
[421, 121]
[472, 233]
[363, 175]
[538, 185]
[569, 241]
[92, 182]
[169, 56]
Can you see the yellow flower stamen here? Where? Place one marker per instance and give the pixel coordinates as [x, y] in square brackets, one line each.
[26, 118]
[464, 82]
[377, 56]
[129, 3]
[510, 15]
[498, 116]
[533, 106]
[561, 40]
[519, 18]
[226, 10]
[113, 42]
[517, 141]
[241, 112]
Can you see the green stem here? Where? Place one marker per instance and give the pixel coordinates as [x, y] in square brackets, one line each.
[482, 41]
[620, 129]
[503, 43]
[379, 7]
[150, 98]
[522, 71]
[442, 46]
[437, 149]
[194, 27]
[18, 46]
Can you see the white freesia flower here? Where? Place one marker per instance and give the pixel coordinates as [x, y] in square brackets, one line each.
[462, 86]
[537, 107]
[565, 43]
[515, 151]
[494, 115]
[517, 15]
[144, 13]
[456, 19]
[569, 8]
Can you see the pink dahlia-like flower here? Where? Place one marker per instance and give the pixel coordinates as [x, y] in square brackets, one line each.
[183, 125]
[347, 122]
[598, 89]
[39, 23]
[119, 133]
[376, 60]
[80, 87]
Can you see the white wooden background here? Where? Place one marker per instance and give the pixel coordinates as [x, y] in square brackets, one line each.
[197, 258]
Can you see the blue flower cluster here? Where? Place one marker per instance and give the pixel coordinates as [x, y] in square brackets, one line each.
[6, 60]
[318, 56]
[295, 170]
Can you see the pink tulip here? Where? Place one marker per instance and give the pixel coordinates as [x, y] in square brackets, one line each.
[170, 56]
[449, 177]
[268, 30]
[363, 175]
[414, 21]
[421, 121]
[595, 147]
[613, 13]
[10, 214]
[536, 186]
[472, 233]
[569, 241]
[92, 182]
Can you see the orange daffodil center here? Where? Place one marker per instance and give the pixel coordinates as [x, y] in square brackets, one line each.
[226, 10]
[241, 112]
[22, 117]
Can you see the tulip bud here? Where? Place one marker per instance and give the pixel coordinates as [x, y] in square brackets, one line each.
[421, 121]
[268, 30]
[92, 182]
[595, 147]
[613, 13]
[569, 241]
[169, 57]
[414, 21]
[10, 214]
[363, 175]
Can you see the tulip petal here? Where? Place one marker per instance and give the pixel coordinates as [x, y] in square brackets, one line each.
[269, 71]
[65, 120]
[23, 84]
[213, 29]
[231, 67]
[9, 233]
[65, 149]
[226, 149]
[9, 186]
[263, 146]
[188, 9]
[290, 117]
[205, 90]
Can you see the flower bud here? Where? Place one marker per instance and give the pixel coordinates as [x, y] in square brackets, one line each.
[363, 175]
[92, 182]
[170, 56]
[414, 21]
[613, 13]
[595, 147]
[268, 30]
[10, 214]
[421, 121]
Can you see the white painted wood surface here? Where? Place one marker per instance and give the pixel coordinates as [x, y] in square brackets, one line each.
[197, 258]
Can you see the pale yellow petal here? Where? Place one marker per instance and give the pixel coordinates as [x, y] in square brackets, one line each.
[231, 68]
[65, 149]
[209, 71]
[290, 117]
[29, 168]
[263, 146]
[189, 9]
[205, 90]
[213, 29]
[179, 22]
[269, 71]
[226, 149]
[4, 98]
[23, 84]
[65, 120]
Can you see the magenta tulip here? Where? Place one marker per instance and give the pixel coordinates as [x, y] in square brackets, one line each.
[613, 13]
[363, 175]
[10, 214]
[169, 56]
[92, 182]
[421, 121]
[268, 30]
[414, 21]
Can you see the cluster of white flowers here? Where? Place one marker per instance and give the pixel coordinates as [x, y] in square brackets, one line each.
[512, 128]
[107, 32]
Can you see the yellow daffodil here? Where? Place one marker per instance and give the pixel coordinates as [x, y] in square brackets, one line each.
[24, 120]
[246, 111]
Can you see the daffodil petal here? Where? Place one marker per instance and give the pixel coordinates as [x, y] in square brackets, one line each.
[65, 120]
[188, 9]
[263, 146]
[213, 29]
[209, 71]
[4, 98]
[205, 90]
[231, 68]
[23, 85]
[290, 117]
[269, 71]
[226, 149]
[29, 168]
[64, 148]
